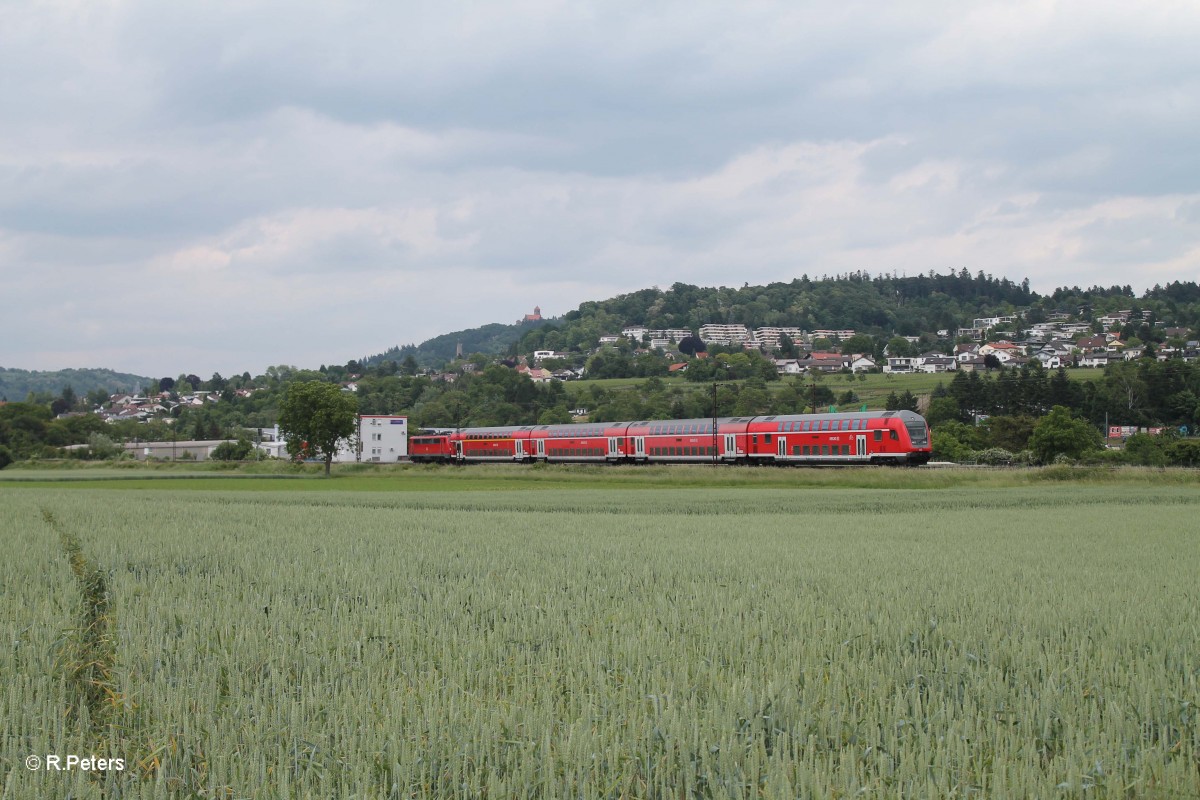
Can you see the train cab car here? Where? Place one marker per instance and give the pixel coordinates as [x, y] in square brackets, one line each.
[869, 437]
[430, 448]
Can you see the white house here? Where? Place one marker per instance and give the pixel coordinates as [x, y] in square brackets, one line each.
[1049, 359]
[788, 366]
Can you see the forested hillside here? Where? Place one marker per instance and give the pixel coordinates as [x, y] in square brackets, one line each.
[881, 305]
[491, 339]
[16, 384]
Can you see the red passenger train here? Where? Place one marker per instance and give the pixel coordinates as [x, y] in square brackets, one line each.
[869, 437]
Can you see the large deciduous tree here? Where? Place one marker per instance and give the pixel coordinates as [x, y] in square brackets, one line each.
[314, 416]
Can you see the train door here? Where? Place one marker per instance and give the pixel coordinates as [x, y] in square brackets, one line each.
[541, 448]
[861, 445]
[614, 449]
[639, 446]
[781, 448]
[519, 449]
[730, 446]
[458, 449]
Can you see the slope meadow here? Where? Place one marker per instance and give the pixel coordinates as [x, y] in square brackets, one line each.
[1026, 641]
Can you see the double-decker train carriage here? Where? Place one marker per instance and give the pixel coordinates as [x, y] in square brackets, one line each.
[869, 437]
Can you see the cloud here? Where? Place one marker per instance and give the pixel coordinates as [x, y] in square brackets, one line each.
[239, 184]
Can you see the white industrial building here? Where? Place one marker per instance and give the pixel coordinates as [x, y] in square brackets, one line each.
[380, 438]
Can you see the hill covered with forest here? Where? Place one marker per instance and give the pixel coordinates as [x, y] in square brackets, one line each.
[883, 305]
[17, 384]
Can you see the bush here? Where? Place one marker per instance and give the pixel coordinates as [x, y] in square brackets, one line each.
[102, 447]
[995, 456]
[1184, 452]
[232, 451]
[6, 456]
[1145, 450]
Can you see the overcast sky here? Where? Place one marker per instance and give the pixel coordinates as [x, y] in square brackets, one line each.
[225, 186]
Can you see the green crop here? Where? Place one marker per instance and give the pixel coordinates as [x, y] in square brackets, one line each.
[1031, 641]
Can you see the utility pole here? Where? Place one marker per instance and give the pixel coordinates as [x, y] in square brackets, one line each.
[715, 448]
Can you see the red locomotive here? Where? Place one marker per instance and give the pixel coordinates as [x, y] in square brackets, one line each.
[869, 437]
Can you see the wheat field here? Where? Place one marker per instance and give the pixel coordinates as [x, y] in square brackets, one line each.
[727, 643]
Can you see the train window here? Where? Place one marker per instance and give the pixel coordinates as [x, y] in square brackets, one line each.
[893, 436]
[824, 449]
[796, 450]
[825, 425]
[879, 436]
[755, 438]
[845, 449]
[766, 438]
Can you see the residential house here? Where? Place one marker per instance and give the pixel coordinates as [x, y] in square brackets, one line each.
[1130, 353]
[974, 364]
[1100, 360]
[1049, 359]
[937, 363]
[901, 364]
[824, 362]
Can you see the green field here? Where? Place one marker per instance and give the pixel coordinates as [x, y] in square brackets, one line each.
[551, 633]
[873, 389]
